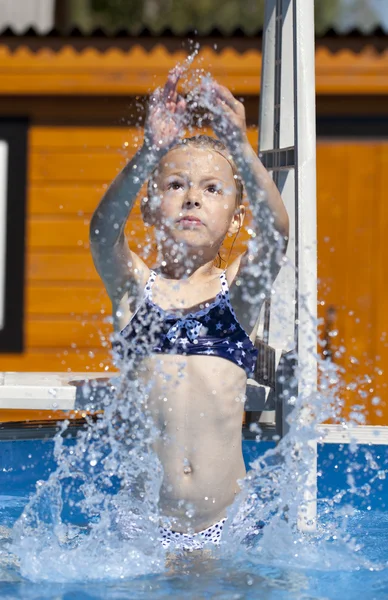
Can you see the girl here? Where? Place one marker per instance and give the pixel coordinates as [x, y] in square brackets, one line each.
[187, 320]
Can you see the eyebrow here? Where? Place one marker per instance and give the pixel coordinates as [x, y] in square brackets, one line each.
[213, 178]
[179, 173]
[204, 180]
[183, 175]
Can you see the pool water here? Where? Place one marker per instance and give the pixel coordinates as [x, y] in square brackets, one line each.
[346, 558]
[228, 580]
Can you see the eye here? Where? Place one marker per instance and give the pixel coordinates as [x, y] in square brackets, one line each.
[214, 189]
[174, 185]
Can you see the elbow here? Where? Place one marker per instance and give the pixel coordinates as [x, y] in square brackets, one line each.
[101, 235]
[282, 223]
[97, 233]
[280, 229]
[284, 228]
[284, 234]
[279, 239]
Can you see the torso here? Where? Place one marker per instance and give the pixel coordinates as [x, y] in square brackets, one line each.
[197, 404]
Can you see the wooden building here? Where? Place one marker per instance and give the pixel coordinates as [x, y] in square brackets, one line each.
[79, 99]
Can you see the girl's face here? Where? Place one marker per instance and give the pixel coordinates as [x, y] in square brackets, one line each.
[197, 194]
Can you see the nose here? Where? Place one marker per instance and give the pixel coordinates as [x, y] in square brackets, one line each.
[192, 198]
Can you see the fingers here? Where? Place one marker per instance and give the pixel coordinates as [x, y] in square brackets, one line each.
[168, 97]
[222, 92]
[155, 102]
[169, 91]
[226, 96]
[155, 96]
[180, 106]
[228, 116]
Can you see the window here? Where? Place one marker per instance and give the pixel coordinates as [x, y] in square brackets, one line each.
[13, 162]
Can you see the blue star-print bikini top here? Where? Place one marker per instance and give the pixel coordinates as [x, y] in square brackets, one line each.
[213, 331]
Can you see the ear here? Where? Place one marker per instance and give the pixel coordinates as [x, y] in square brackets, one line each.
[237, 220]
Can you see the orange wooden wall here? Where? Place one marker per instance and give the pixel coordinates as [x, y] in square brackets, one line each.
[67, 308]
[353, 254]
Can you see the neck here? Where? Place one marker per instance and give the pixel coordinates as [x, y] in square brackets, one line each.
[186, 266]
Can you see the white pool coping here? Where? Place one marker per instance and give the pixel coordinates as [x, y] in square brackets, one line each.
[40, 391]
[358, 434]
[47, 391]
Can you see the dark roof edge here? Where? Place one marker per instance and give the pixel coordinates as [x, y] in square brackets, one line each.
[99, 32]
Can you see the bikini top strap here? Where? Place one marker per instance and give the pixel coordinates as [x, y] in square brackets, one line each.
[149, 284]
[225, 294]
[224, 284]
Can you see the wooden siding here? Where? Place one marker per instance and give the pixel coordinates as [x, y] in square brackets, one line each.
[67, 309]
[353, 254]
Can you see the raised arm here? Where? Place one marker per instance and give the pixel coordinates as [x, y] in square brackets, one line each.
[116, 264]
[256, 269]
[114, 261]
[269, 215]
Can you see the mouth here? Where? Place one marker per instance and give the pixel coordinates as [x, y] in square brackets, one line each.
[189, 221]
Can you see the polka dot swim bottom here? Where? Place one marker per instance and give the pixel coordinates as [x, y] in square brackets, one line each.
[191, 541]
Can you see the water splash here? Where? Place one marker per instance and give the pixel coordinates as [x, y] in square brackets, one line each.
[272, 521]
[97, 517]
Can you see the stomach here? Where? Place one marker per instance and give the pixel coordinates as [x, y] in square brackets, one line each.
[197, 405]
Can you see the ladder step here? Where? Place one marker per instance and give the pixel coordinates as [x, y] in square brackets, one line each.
[278, 160]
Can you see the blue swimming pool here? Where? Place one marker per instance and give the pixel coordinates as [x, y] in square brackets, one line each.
[346, 558]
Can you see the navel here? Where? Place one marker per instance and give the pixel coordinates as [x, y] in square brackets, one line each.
[187, 469]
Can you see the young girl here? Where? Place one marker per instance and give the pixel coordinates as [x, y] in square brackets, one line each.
[193, 331]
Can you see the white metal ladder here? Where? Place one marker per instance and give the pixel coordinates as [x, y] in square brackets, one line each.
[287, 142]
[287, 148]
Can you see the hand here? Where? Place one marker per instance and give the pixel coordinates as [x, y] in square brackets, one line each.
[165, 122]
[227, 114]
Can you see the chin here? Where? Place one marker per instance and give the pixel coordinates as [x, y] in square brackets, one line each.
[190, 240]
[189, 237]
